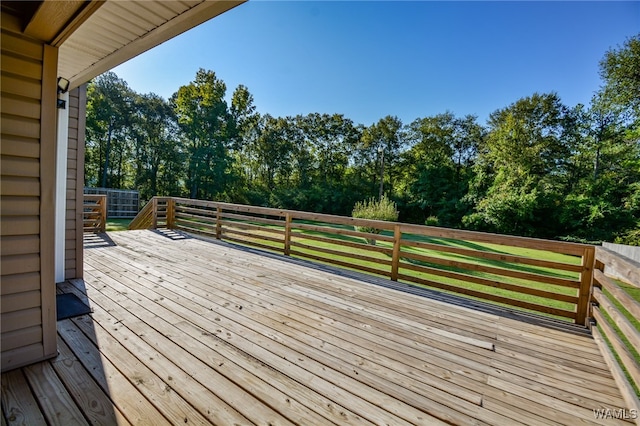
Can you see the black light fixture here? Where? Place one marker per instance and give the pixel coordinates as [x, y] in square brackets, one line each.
[63, 86]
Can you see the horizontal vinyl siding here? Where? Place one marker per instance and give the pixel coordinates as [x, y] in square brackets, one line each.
[75, 185]
[20, 304]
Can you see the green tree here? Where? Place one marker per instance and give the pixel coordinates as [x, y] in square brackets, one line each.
[108, 138]
[204, 119]
[159, 155]
[603, 203]
[524, 163]
[437, 168]
[379, 152]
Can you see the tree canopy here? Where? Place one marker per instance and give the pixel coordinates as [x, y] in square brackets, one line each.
[537, 168]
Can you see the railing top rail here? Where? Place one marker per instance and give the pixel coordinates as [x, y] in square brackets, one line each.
[564, 247]
[94, 197]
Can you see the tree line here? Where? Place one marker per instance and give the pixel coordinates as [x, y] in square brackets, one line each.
[537, 168]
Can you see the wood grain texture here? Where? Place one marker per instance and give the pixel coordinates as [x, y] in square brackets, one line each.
[221, 334]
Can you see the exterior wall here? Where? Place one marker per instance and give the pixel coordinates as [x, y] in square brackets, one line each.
[75, 183]
[27, 155]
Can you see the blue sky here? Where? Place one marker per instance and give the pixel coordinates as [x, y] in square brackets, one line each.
[410, 59]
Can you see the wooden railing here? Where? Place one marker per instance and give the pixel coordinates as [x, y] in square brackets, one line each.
[155, 214]
[540, 276]
[94, 213]
[617, 313]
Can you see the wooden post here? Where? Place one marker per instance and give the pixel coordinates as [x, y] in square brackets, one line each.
[103, 213]
[287, 234]
[154, 213]
[395, 259]
[218, 223]
[586, 283]
[171, 206]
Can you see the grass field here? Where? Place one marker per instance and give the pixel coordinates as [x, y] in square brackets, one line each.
[117, 224]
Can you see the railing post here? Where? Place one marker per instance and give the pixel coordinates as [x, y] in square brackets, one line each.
[154, 213]
[287, 234]
[171, 205]
[395, 259]
[218, 223]
[586, 283]
[103, 214]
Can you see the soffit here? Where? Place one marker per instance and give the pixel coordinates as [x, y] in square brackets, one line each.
[117, 31]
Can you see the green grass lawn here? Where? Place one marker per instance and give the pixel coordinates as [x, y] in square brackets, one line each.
[117, 224]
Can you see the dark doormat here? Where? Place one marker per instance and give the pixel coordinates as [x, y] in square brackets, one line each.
[69, 306]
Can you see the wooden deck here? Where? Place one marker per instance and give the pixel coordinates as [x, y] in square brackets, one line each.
[185, 331]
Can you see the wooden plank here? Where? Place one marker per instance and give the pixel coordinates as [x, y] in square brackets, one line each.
[18, 402]
[94, 403]
[628, 393]
[287, 235]
[20, 264]
[131, 403]
[361, 246]
[341, 263]
[502, 257]
[243, 310]
[629, 303]
[340, 231]
[546, 279]
[57, 405]
[250, 243]
[489, 296]
[199, 395]
[630, 332]
[627, 269]
[300, 369]
[395, 258]
[628, 360]
[485, 237]
[377, 327]
[156, 389]
[258, 219]
[586, 282]
[466, 278]
[170, 278]
[342, 254]
[245, 226]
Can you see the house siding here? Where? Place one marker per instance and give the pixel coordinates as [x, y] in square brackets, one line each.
[75, 183]
[27, 148]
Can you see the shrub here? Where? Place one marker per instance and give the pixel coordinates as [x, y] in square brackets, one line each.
[383, 209]
[432, 221]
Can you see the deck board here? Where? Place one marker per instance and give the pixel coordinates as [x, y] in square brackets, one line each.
[186, 331]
